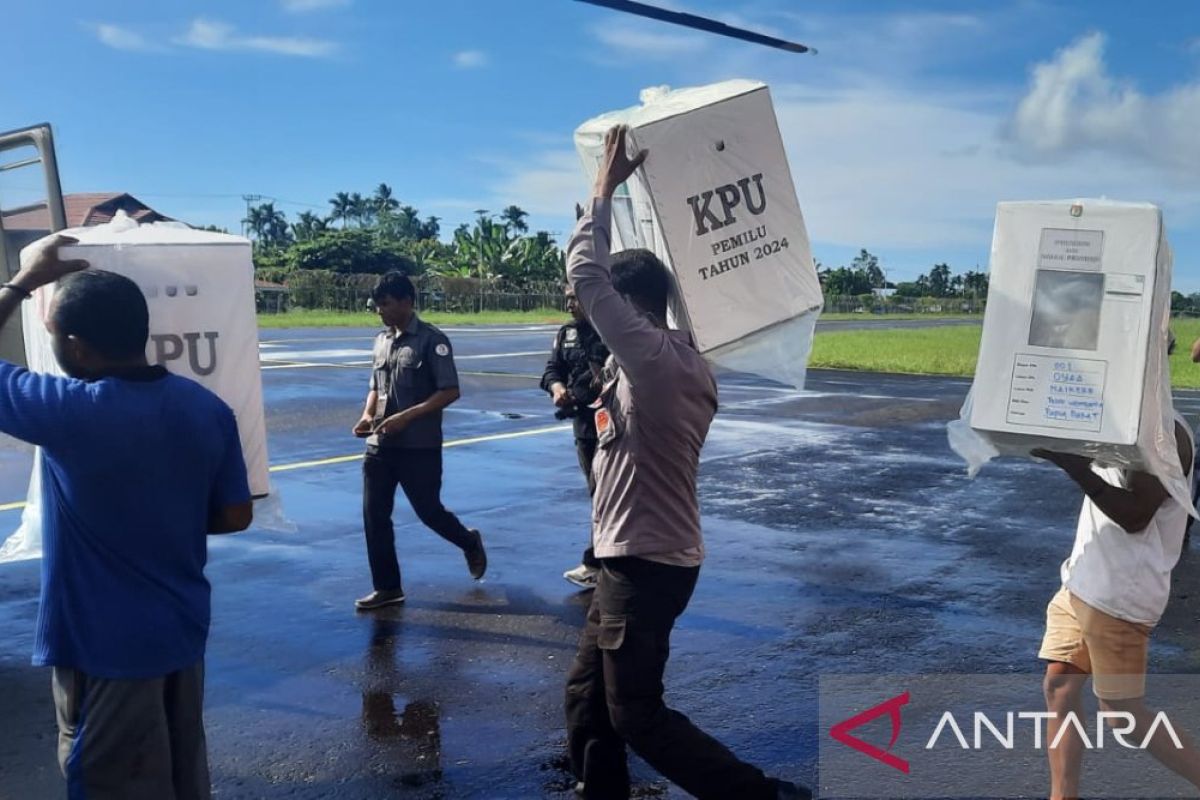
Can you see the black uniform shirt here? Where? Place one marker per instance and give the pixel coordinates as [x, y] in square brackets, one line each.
[408, 367]
[577, 349]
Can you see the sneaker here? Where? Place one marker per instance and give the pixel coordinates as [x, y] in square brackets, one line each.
[583, 576]
[476, 556]
[375, 600]
[790, 791]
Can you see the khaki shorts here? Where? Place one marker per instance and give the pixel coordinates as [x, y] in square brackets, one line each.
[1112, 650]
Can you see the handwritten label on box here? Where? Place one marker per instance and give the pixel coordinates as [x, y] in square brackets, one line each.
[1057, 392]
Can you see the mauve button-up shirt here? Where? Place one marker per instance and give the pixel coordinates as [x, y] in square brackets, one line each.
[661, 403]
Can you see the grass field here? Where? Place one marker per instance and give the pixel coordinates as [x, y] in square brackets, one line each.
[951, 351]
[365, 319]
[835, 317]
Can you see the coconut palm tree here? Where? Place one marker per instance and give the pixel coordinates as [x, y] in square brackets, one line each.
[308, 225]
[514, 219]
[384, 201]
[341, 207]
[359, 209]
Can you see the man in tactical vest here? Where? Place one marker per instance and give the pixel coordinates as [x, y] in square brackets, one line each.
[572, 378]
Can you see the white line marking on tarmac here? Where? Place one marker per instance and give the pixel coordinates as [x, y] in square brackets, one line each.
[368, 337]
[295, 362]
[323, 462]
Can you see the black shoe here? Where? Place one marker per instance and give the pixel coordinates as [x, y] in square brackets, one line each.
[379, 599]
[790, 791]
[605, 774]
[476, 556]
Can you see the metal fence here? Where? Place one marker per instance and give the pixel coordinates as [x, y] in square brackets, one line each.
[328, 291]
[318, 289]
[874, 304]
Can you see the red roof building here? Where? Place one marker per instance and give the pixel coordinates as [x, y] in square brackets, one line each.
[83, 210]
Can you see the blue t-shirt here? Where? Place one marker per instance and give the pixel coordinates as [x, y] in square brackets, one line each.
[132, 468]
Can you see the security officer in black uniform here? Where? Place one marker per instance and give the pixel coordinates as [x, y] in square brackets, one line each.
[412, 379]
[572, 378]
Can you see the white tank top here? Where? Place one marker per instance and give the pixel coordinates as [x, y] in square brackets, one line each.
[1126, 575]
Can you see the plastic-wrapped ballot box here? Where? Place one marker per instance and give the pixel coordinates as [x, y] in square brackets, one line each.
[199, 287]
[715, 201]
[1073, 355]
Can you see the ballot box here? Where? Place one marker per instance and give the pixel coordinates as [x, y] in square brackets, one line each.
[1073, 353]
[716, 203]
[199, 287]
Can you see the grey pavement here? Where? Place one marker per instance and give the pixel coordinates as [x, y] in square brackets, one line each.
[843, 537]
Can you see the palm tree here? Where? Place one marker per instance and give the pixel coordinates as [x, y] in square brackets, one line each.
[514, 218]
[274, 226]
[384, 201]
[358, 208]
[267, 224]
[341, 207]
[430, 228]
[308, 225]
[254, 222]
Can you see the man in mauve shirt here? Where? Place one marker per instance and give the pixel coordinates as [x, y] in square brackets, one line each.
[653, 416]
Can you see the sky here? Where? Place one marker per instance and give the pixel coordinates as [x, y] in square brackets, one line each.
[904, 131]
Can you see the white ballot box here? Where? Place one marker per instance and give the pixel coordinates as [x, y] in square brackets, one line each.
[716, 203]
[199, 287]
[1073, 355]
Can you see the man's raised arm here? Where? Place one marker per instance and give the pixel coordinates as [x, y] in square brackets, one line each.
[631, 337]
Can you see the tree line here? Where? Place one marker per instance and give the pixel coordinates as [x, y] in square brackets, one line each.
[376, 233]
[865, 275]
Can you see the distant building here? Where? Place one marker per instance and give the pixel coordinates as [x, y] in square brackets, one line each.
[83, 210]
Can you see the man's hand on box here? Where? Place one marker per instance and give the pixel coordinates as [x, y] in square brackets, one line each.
[42, 264]
[362, 428]
[1068, 462]
[617, 166]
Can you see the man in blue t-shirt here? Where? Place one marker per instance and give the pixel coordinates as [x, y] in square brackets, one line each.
[138, 466]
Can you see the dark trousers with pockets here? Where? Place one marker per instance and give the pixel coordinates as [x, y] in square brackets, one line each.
[614, 692]
[418, 471]
[585, 449]
[137, 739]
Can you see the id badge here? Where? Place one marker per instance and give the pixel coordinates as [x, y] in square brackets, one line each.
[606, 427]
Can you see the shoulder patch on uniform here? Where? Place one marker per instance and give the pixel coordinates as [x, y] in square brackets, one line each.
[442, 349]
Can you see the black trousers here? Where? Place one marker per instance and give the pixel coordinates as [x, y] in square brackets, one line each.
[585, 450]
[614, 692]
[419, 473]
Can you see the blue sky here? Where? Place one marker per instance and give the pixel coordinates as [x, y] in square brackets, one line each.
[903, 133]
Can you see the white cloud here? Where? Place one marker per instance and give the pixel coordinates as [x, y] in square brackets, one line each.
[1075, 104]
[304, 6]
[213, 35]
[549, 185]
[470, 59]
[637, 40]
[119, 38]
[907, 160]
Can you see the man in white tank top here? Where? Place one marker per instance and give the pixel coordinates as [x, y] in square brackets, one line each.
[1115, 587]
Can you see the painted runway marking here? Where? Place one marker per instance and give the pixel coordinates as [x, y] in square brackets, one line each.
[309, 355]
[295, 362]
[492, 437]
[367, 337]
[325, 462]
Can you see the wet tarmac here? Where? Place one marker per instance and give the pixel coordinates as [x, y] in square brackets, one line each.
[843, 537]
